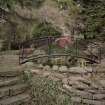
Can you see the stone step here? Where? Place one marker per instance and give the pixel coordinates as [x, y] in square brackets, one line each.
[21, 99]
[11, 81]
[82, 101]
[10, 73]
[75, 92]
[12, 90]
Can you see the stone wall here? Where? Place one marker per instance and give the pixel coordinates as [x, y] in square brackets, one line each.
[80, 83]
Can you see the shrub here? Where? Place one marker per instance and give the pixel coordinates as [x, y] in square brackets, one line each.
[44, 29]
[46, 92]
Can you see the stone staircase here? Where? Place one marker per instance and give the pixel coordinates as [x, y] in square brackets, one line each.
[13, 89]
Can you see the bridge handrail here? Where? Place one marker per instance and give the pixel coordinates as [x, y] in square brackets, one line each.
[54, 55]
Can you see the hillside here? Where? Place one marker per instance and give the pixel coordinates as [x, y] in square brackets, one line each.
[52, 52]
[22, 21]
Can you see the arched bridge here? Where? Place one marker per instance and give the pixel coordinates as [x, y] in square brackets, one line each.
[45, 48]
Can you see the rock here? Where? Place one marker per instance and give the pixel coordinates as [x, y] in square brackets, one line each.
[72, 83]
[29, 64]
[67, 87]
[40, 66]
[102, 91]
[93, 102]
[63, 69]
[46, 67]
[76, 92]
[20, 99]
[76, 78]
[42, 60]
[58, 75]
[93, 91]
[99, 96]
[46, 74]
[53, 78]
[37, 72]
[102, 83]
[76, 99]
[77, 70]
[89, 69]
[55, 67]
[65, 81]
[8, 82]
[81, 86]
[95, 86]
[86, 81]
[1, 44]
[75, 82]
[82, 94]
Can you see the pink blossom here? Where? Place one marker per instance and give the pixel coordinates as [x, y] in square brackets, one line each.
[64, 41]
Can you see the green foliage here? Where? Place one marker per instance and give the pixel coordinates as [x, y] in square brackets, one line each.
[44, 29]
[37, 3]
[27, 77]
[7, 3]
[24, 3]
[94, 18]
[68, 4]
[31, 3]
[46, 92]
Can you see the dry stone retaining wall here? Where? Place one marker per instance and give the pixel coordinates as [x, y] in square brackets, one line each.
[13, 90]
[79, 83]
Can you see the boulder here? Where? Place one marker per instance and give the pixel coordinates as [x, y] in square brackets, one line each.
[102, 83]
[67, 87]
[86, 81]
[46, 74]
[72, 90]
[40, 66]
[47, 67]
[65, 81]
[55, 67]
[29, 64]
[63, 69]
[36, 72]
[89, 69]
[76, 78]
[95, 86]
[99, 96]
[77, 70]
[76, 99]
[93, 102]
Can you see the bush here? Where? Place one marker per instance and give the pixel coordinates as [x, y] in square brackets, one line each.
[46, 92]
[94, 18]
[44, 29]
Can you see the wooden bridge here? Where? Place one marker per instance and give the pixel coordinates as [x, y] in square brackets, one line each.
[28, 48]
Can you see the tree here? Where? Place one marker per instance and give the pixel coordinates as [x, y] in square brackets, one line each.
[19, 27]
[94, 18]
[44, 29]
